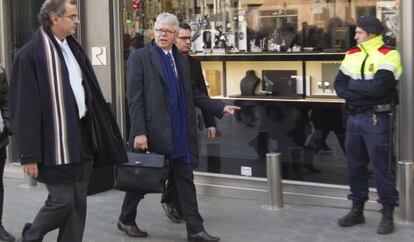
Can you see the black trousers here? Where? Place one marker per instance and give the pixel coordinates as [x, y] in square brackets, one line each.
[182, 175]
[65, 207]
[369, 139]
[170, 195]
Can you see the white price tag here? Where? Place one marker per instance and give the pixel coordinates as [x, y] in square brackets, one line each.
[246, 171]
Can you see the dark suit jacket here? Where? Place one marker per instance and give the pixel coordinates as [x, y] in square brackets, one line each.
[147, 92]
[198, 80]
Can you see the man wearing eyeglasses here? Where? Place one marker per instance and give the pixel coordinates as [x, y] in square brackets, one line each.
[161, 101]
[169, 199]
[61, 122]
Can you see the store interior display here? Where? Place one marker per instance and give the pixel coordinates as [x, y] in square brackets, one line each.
[244, 29]
[325, 86]
[279, 82]
[213, 79]
[240, 26]
[277, 60]
[249, 83]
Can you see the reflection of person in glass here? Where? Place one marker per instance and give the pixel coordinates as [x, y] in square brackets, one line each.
[285, 37]
[367, 80]
[310, 36]
[330, 26]
[161, 101]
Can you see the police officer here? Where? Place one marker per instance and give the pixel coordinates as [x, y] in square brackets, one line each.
[367, 80]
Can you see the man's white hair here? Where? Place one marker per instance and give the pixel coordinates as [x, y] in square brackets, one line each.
[167, 18]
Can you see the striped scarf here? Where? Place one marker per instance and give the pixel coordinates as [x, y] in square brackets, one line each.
[59, 111]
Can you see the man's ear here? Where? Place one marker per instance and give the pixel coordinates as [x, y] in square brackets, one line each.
[54, 18]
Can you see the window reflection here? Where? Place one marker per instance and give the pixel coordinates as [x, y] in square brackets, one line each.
[240, 26]
[23, 21]
[308, 135]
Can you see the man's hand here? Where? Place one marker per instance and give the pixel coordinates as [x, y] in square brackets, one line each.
[211, 133]
[229, 110]
[31, 169]
[140, 142]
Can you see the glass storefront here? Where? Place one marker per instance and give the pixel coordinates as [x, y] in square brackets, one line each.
[239, 26]
[301, 43]
[23, 21]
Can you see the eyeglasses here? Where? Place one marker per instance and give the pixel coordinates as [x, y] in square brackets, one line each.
[165, 31]
[185, 38]
[72, 18]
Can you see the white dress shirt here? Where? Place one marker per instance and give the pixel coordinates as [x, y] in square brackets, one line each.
[75, 76]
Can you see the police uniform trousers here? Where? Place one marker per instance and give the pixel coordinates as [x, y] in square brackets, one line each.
[65, 207]
[369, 138]
[182, 175]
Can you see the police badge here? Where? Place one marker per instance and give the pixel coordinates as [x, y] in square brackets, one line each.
[371, 67]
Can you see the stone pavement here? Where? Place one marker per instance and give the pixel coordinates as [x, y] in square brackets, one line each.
[233, 220]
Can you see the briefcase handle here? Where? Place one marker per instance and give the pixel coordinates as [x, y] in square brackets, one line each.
[146, 151]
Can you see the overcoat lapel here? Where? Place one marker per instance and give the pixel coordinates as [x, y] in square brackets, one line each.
[156, 62]
[181, 63]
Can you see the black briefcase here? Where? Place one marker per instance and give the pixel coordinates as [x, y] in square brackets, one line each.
[144, 172]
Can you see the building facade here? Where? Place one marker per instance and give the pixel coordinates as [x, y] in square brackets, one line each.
[290, 50]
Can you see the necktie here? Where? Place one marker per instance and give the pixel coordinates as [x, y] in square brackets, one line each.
[171, 62]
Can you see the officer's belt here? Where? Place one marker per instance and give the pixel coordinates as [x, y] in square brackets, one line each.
[380, 108]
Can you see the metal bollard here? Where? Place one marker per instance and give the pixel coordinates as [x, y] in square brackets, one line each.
[406, 182]
[274, 181]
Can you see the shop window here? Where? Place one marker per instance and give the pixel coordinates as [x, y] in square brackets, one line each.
[262, 22]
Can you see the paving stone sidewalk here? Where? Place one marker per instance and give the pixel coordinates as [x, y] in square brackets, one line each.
[233, 220]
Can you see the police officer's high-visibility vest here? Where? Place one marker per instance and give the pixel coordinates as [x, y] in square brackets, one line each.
[363, 61]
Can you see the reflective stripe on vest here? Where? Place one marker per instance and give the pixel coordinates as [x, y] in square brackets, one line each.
[379, 58]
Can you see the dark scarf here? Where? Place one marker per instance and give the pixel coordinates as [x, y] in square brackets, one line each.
[58, 104]
[178, 108]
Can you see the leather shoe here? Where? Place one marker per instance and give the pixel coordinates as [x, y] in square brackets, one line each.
[4, 235]
[171, 213]
[202, 236]
[132, 230]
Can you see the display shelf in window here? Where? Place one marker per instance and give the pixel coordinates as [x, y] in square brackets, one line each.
[322, 76]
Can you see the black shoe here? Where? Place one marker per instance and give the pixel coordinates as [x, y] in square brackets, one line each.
[4, 235]
[202, 236]
[386, 225]
[171, 213]
[354, 217]
[132, 230]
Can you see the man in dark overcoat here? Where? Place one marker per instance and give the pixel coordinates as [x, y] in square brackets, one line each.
[61, 122]
[169, 200]
[161, 103]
